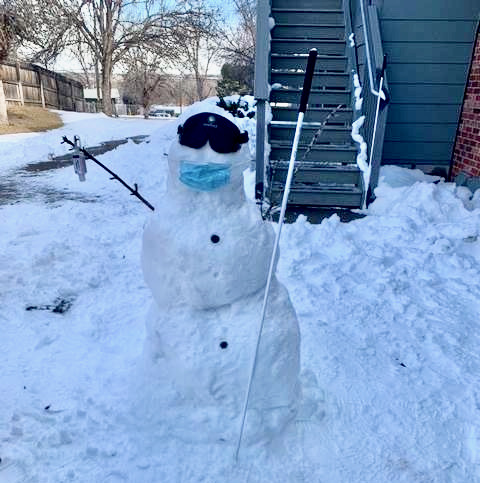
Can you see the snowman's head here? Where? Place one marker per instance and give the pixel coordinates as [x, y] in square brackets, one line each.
[210, 152]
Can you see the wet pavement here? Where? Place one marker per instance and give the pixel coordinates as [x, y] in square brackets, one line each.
[20, 186]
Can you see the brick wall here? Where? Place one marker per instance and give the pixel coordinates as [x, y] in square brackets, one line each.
[466, 156]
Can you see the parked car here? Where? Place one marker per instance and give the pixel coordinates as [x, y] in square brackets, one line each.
[160, 114]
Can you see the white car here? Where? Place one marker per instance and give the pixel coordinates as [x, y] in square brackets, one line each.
[160, 114]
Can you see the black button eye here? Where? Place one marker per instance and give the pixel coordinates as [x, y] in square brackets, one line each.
[215, 238]
[223, 344]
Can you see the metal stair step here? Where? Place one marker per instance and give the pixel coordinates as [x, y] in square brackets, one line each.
[340, 154]
[320, 79]
[308, 31]
[310, 172]
[297, 16]
[319, 195]
[330, 4]
[313, 114]
[285, 131]
[330, 63]
[317, 98]
[299, 46]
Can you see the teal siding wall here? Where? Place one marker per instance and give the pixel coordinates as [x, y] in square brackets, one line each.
[429, 45]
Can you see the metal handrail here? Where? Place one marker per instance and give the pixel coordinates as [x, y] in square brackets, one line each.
[376, 93]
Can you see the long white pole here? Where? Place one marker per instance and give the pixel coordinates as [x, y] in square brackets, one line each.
[301, 113]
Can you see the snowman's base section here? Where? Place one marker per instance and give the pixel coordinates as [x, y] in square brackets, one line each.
[212, 424]
[197, 365]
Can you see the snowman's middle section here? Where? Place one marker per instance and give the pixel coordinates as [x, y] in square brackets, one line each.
[215, 259]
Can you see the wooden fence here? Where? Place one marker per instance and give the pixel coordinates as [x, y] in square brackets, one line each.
[31, 84]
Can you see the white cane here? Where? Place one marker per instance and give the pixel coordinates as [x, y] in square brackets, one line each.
[307, 84]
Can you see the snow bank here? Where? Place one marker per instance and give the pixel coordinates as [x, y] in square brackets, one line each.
[388, 308]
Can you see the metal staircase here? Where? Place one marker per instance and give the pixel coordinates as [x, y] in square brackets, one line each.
[326, 174]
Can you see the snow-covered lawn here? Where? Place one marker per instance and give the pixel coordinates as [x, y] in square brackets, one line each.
[388, 307]
[92, 129]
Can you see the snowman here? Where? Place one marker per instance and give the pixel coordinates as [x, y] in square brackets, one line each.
[205, 257]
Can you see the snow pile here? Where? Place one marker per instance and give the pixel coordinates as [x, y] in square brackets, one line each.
[351, 40]
[388, 308]
[391, 304]
[357, 92]
[362, 157]
[396, 177]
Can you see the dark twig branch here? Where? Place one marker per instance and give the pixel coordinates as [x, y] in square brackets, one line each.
[133, 191]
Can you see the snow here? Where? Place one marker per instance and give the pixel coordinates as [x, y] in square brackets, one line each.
[92, 129]
[388, 308]
[351, 40]
[191, 259]
[396, 177]
[362, 162]
[357, 92]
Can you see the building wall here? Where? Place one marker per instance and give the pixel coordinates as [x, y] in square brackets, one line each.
[429, 45]
[466, 156]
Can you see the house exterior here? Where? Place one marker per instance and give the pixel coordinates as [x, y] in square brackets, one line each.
[428, 47]
[466, 156]
[91, 94]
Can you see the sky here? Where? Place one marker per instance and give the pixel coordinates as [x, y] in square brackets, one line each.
[67, 62]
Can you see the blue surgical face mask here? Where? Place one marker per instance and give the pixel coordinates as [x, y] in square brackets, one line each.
[204, 177]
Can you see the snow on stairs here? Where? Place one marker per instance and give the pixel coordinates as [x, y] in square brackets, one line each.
[326, 175]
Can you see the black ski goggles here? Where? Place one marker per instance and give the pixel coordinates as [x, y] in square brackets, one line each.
[223, 135]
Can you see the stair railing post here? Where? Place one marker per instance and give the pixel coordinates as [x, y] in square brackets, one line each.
[372, 35]
[261, 91]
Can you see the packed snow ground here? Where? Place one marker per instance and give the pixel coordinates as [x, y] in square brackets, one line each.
[388, 307]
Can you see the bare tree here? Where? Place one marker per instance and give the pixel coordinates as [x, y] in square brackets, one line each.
[238, 46]
[239, 41]
[175, 90]
[107, 28]
[6, 34]
[111, 28]
[196, 41]
[144, 77]
[44, 31]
